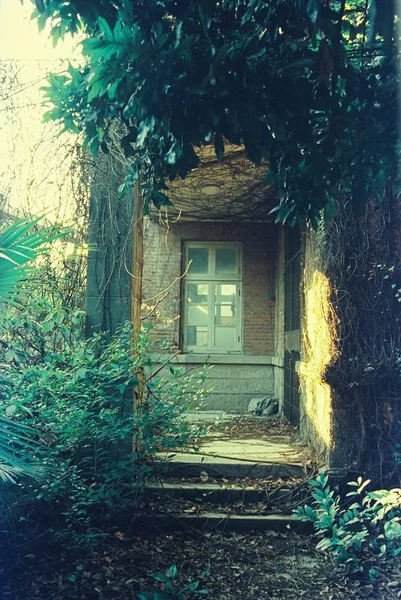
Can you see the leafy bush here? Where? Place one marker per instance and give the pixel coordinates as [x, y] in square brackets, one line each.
[170, 589]
[21, 242]
[79, 394]
[366, 527]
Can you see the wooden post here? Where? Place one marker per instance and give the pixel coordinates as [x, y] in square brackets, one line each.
[136, 300]
[136, 288]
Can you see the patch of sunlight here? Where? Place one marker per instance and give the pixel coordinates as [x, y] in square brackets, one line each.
[320, 348]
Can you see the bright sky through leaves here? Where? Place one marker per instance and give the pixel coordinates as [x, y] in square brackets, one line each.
[20, 38]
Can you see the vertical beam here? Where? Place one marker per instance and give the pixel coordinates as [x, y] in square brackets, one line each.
[136, 287]
[136, 303]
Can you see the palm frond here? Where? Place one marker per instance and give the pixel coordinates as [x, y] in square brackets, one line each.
[19, 246]
[19, 452]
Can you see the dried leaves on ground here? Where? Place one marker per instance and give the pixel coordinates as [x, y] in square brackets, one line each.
[248, 566]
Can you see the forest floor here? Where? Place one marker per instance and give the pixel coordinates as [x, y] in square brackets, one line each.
[251, 566]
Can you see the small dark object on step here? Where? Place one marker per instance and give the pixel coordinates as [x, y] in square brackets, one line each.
[263, 406]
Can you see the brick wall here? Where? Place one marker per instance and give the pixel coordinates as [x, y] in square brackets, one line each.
[161, 284]
[163, 267]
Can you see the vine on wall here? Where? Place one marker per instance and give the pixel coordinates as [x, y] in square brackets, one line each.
[362, 259]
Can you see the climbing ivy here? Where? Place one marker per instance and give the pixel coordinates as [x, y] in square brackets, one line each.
[308, 87]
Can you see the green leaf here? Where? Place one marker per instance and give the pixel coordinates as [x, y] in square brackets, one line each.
[48, 325]
[192, 587]
[314, 482]
[160, 577]
[94, 145]
[330, 209]
[97, 89]
[160, 199]
[105, 29]
[41, 20]
[19, 246]
[113, 88]
[170, 588]
[362, 485]
[10, 355]
[313, 9]
[172, 572]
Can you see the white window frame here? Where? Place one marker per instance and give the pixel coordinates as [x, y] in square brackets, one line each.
[211, 278]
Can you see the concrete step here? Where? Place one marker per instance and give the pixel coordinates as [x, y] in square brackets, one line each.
[193, 465]
[222, 494]
[215, 521]
[211, 493]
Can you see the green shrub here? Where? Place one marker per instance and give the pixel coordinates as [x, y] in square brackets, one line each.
[21, 242]
[366, 527]
[79, 394]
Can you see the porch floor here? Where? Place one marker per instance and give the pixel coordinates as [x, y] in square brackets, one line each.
[234, 438]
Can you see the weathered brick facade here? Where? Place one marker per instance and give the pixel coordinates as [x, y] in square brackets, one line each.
[163, 267]
[234, 379]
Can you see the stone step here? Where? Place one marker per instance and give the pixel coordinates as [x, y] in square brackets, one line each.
[215, 521]
[221, 494]
[193, 465]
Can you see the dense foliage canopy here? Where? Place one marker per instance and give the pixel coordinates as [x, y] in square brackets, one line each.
[308, 87]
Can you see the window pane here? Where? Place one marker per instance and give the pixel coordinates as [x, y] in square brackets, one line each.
[196, 336]
[225, 293]
[198, 314]
[226, 261]
[225, 296]
[197, 293]
[200, 260]
[225, 337]
[224, 315]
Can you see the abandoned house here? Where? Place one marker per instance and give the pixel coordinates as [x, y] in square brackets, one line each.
[258, 302]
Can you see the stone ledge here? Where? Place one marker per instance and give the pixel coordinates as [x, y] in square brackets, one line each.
[228, 359]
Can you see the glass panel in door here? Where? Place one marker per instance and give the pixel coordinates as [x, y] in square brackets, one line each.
[225, 316]
[197, 314]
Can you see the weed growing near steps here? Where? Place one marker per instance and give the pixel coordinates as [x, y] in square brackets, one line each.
[170, 590]
[357, 532]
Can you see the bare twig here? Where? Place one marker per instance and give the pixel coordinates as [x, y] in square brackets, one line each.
[161, 367]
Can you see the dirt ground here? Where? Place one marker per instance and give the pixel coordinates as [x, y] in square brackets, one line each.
[268, 566]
